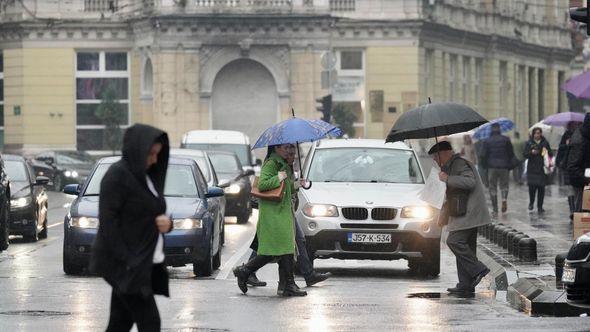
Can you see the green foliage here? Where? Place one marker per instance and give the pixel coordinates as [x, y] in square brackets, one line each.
[343, 116]
[110, 113]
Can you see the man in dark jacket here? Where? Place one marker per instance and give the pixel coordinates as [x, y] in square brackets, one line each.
[128, 251]
[498, 155]
[561, 162]
[578, 160]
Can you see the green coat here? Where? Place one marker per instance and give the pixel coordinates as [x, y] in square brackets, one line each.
[276, 228]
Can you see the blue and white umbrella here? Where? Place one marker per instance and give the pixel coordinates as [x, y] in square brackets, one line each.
[485, 131]
[296, 130]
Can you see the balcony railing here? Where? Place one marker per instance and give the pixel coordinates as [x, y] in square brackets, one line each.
[342, 5]
[100, 5]
[243, 3]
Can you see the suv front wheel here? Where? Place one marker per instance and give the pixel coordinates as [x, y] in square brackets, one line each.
[429, 264]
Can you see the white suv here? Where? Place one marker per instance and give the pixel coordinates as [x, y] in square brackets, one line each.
[363, 204]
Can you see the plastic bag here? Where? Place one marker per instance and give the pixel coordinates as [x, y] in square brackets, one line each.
[434, 190]
[548, 164]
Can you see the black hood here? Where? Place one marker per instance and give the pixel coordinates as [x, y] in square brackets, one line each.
[585, 128]
[137, 142]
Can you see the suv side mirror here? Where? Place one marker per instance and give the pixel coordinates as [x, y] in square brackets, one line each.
[587, 173]
[41, 180]
[214, 192]
[72, 189]
[224, 183]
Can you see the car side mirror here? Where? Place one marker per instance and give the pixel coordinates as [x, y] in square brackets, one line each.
[249, 172]
[587, 173]
[224, 183]
[72, 189]
[214, 192]
[41, 181]
[258, 162]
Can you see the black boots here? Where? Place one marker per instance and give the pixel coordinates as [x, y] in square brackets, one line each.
[316, 277]
[572, 206]
[254, 282]
[242, 273]
[287, 286]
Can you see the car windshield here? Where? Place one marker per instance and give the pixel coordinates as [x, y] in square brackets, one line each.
[224, 163]
[241, 150]
[180, 181]
[74, 158]
[365, 165]
[16, 170]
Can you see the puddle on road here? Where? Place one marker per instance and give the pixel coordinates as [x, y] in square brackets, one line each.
[35, 313]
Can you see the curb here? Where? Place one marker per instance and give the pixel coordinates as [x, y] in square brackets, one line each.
[529, 295]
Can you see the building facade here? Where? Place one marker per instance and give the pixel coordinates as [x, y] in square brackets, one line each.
[243, 64]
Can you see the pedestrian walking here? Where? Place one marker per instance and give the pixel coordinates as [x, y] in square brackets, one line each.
[463, 212]
[561, 162]
[468, 151]
[518, 145]
[579, 160]
[128, 250]
[535, 150]
[498, 155]
[276, 226]
[482, 168]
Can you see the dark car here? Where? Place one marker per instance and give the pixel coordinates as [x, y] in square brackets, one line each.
[206, 168]
[195, 239]
[236, 183]
[69, 167]
[4, 207]
[576, 273]
[28, 199]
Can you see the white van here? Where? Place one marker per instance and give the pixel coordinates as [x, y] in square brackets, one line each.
[222, 140]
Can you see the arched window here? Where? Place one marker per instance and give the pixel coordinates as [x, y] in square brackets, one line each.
[147, 82]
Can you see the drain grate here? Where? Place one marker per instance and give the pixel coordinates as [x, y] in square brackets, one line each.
[36, 313]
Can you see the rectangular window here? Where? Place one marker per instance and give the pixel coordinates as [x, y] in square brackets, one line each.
[429, 74]
[541, 93]
[100, 77]
[1, 99]
[560, 93]
[351, 60]
[466, 79]
[478, 81]
[452, 77]
[503, 85]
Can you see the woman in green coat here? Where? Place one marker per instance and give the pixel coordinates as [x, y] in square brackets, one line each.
[276, 227]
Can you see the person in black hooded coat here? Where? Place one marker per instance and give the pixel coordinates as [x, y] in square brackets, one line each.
[536, 177]
[578, 160]
[128, 250]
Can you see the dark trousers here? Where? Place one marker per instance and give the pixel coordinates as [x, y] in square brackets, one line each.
[578, 196]
[517, 173]
[539, 191]
[127, 309]
[463, 244]
[303, 261]
[286, 265]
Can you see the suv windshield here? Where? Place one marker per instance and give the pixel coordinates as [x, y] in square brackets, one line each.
[365, 165]
[241, 150]
[224, 163]
[73, 158]
[16, 170]
[180, 181]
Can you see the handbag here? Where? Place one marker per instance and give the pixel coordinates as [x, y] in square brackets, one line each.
[274, 195]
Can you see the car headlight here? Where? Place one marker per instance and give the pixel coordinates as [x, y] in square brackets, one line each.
[84, 222]
[21, 202]
[71, 174]
[187, 223]
[233, 189]
[320, 210]
[418, 212]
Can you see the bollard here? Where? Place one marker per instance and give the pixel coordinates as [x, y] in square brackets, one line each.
[498, 234]
[509, 239]
[527, 249]
[505, 237]
[515, 240]
[559, 261]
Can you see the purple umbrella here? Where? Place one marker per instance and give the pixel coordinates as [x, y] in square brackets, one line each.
[579, 85]
[562, 119]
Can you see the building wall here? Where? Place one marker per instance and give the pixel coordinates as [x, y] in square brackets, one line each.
[40, 81]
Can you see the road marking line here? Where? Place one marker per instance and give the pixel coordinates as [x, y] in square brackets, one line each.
[227, 267]
[57, 224]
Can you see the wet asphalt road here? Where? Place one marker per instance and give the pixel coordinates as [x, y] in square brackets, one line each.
[35, 295]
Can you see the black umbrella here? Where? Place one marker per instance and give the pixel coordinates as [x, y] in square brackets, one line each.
[433, 120]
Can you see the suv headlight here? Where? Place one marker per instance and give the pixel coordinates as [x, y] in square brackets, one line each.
[233, 189]
[418, 212]
[84, 222]
[187, 223]
[71, 174]
[21, 202]
[320, 210]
